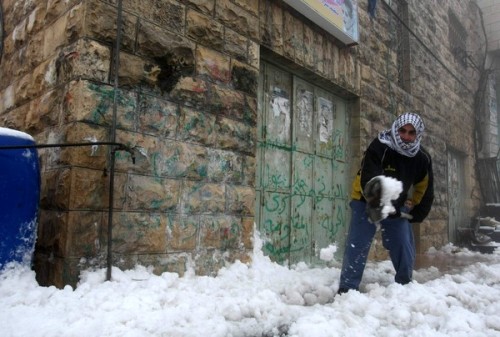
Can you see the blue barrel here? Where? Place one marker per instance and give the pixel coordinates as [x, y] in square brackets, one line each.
[19, 197]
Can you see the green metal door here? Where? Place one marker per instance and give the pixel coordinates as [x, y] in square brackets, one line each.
[301, 167]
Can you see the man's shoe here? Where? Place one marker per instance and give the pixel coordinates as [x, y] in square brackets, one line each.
[342, 291]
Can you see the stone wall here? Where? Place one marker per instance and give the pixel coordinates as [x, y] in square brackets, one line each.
[187, 106]
[442, 91]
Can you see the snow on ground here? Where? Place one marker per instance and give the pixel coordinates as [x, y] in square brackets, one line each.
[260, 299]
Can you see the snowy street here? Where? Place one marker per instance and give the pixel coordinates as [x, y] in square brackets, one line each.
[261, 299]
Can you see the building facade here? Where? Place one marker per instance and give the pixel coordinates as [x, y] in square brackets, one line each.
[234, 117]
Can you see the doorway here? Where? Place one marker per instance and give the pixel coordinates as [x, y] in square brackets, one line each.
[302, 173]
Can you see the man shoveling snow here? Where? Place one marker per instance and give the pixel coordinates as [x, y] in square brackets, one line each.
[393, 164]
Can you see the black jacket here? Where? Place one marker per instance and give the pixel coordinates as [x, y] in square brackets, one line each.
[414, 172]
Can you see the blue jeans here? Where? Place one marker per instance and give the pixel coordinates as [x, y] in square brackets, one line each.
[397, 237]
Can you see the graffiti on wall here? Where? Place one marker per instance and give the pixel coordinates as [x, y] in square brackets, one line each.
[302, 204]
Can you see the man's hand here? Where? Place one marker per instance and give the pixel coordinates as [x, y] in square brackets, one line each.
[373, 194]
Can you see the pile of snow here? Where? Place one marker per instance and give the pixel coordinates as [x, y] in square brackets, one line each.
[391, 189]
[328, 253]
[260, 299]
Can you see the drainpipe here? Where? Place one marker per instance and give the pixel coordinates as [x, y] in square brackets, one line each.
[478, 106]
[112, 138]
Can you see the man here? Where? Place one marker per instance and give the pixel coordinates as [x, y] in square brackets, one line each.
[395, 153]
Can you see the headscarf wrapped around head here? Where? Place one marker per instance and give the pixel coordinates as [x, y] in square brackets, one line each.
[392, 139]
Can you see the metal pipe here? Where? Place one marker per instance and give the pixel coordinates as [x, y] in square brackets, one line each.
[112, 137]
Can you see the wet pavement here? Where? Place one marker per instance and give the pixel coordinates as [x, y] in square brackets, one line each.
[452, 263]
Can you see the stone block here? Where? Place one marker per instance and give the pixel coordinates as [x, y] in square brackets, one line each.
[236, 45]
[210, 232]
[250, 5]
[139, 232]
[15, 118]
[318, 54]
[290, 40]
[228, 102]
[181, 160]
[50, 233]
[120, 190]
[153, 41]
[84, 233]
[92, 156]
[57, 271]
[192, 92]
[89, 189]
[298, 40]
[205, 30]
[159, 263]
[196, 126]
[205, 6]
[235, 135]
[88, 102]
[237, 18]
[32, 55]
[145, 148]
[65, 30]
[309, 47]
[182, 232]
[253, 54]
[271, 26]
[230, 233]
[145, 193]
[23, 90]
[44, 112]
[157, 116]
[250, 110]
[202, 198]
[240, 200]
[244, 78]
[243, 256]
[212, 64]
[85, 59]
[55, 189]
[209, 263]
[19, 37]
[93, 103]
[136, 71]
[167, 14]
[224, 166]
[100, 24]
[247, 232]
[249, 170]
[14, 12]
[56, 8]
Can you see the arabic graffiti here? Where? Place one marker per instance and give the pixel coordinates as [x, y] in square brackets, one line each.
[302, 184]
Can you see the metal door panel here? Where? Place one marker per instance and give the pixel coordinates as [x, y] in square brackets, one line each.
[339, 140]
[302, 168]
[301, 175]
[325, 110]
[323, 177]
[275, 225]
[277, 107]
[339, 174]
[325, 225]
[276, 170]
[300, 236]
[303, 121]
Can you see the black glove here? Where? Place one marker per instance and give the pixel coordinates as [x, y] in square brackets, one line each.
[373, 194]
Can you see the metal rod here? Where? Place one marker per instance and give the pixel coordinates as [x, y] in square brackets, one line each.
[112, 137]
[40, 146]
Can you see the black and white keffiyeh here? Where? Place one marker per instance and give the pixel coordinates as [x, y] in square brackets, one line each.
[391, 137]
